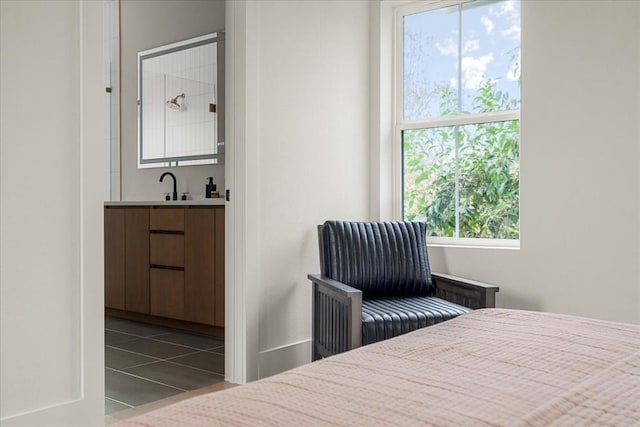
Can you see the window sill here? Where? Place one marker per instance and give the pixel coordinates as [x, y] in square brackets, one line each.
[468, 243]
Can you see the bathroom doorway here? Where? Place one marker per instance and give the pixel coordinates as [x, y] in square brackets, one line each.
[147, 361]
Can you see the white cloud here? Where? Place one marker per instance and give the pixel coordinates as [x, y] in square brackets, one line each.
[506, 8]
[470, 46]
[488, 24]
[512, 32]
[448, 48]
[473, 70]
[453, 82]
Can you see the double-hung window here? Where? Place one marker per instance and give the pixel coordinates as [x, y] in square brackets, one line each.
[457, 111]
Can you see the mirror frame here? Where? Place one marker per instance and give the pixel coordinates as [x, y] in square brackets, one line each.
[217, 158]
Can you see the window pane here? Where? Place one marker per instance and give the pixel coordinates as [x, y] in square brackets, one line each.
[490, 59]
[430, 178]
[485, 171]
[430, 64]
[461, 59]
[489, 180]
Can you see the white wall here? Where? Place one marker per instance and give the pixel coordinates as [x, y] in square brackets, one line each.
[145, 25]
[51, 191]
[313, 92]
[307, 104]
[580, 183]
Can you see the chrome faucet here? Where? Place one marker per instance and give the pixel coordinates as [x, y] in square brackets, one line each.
[175, 186]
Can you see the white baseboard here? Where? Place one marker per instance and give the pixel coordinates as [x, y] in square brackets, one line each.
[280, 359]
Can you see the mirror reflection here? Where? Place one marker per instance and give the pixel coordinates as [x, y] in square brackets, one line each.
[180, 104]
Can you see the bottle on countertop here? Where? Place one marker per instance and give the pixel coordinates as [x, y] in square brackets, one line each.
[209, 188]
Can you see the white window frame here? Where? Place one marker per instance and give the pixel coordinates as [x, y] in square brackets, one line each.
[400, 125]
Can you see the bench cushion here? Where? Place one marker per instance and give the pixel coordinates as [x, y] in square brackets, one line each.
[384, 318]
[378, 258]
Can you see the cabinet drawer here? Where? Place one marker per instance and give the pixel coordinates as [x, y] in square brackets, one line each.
[169, 219]
[167, 250]
[167, 293]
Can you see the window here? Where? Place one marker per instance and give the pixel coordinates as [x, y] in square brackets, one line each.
[458, 117]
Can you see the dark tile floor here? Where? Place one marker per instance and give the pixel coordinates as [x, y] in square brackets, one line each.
[145, 363]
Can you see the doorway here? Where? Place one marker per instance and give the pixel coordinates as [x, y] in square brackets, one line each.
[146, 362]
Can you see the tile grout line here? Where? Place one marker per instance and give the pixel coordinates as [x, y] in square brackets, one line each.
[158, 337]
[119, 401]
[165, 332]
[144, 364]
[169, 359]
[148, 379]
[134, 334]
[155, 337]
[121, 332]
[183, 345]
[193, 367]
[124, 323]
[133, 352]
[152, 336]
[164, 342]
[173, 363]
[156, 357]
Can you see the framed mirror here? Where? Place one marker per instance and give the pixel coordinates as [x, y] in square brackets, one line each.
[181, 103]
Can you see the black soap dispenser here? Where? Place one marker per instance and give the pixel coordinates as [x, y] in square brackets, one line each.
[209, 188]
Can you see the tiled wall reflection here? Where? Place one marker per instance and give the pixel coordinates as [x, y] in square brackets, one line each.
[191, 130]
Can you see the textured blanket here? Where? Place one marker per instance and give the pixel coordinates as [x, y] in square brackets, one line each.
[490, 367]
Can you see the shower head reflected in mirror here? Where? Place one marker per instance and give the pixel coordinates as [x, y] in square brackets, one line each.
[173, 103]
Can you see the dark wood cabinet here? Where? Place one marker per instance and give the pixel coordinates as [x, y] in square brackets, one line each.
[204, 266]
[218, 258]
[136, 263]
[166, 243]
[166, 263]
[167, 293]
[114, 258]
[167, 250]
[166, 219]
[126, 259]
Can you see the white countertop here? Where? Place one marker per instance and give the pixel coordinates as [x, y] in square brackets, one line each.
[198, 202]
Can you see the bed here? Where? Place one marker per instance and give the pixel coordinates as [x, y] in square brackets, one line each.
[491, 367]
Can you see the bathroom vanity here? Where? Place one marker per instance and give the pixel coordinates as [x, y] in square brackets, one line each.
[164, 263]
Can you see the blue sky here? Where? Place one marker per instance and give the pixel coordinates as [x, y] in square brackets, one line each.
[490, 42]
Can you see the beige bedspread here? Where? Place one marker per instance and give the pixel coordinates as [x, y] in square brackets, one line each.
[490, 367]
